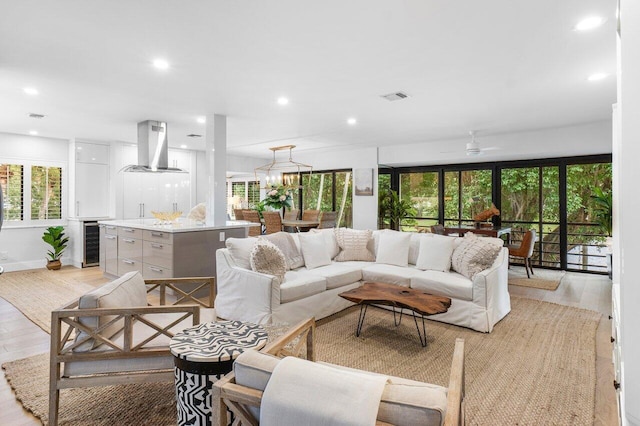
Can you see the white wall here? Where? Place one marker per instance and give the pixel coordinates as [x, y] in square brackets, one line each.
[23, 245]
[629, 225]
[584, 139]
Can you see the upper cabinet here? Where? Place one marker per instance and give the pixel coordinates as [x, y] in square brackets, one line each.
[91, 189]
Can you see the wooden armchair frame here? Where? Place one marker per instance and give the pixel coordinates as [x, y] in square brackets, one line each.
[65, 321]
[227, 395]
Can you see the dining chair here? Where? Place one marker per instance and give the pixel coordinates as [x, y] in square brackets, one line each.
[237, 213]
[310, 215]
[437, 229]
[291, 214]
[327, 220]
[525, 250]
[272, 222]
[253, 216]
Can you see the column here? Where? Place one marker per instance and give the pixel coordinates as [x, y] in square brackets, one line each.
[216, 155]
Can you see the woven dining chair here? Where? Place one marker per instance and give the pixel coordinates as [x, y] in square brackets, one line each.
[272, 222]
[310, 215]
[328, 220]
[237, 213]
[253, 216]
[291, 214]
[525, 250]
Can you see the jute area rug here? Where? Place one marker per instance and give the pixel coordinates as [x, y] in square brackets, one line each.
[536, 367]
[546, 279]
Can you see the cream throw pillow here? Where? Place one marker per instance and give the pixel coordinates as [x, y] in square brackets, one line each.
[474, 255]
[393, 248]
[266, 258]
[329, 238]
[240, 250]
[353, 245]
[435, 253]
[314, 250]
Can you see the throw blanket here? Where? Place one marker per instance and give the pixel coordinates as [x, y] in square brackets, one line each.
[288, 247]
[301, 392]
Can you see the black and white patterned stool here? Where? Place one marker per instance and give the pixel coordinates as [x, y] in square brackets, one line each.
[202, 355]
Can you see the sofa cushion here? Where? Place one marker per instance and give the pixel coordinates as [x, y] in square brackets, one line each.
[314, 250]
[414, 246]
[389, 274]
[285, 242]
[339, 274]
[449, 284]
[403, 401]
[435, 253]
[240, 250]
[267, 258]
[300, 284]
[393, 248]
[330, 240]
[353, 244]
[474, 255]
[127, 291]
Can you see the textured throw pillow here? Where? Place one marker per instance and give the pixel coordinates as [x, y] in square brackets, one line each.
[330, 240]
[353, 245]
[393, 248]
[435, 253]
[284, 241]
[266, 258]
[240, 250]
[314, 250]
[474, 255]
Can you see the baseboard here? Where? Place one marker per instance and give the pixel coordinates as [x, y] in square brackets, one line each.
[33, 264]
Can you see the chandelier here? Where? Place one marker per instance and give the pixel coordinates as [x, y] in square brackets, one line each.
[276, 169]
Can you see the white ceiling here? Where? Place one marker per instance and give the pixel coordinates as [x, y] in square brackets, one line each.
[496, 66]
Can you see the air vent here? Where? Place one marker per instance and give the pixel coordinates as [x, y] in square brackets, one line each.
[34, 115]
[395, 96]
[193, 135]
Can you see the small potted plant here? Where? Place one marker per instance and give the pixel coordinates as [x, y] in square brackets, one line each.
[54, 236]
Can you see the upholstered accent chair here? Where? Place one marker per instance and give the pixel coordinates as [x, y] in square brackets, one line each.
[525, 250]
[328, 220]
[272, 222]
[253, 216]
[403, 402]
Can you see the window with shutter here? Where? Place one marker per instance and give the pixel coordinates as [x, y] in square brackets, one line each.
[11, 181]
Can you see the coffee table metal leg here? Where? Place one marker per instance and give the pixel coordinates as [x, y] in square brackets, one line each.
[363, 312]
[394, 316]
[423, 336]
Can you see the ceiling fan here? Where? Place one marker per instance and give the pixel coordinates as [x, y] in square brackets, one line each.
[473, 147]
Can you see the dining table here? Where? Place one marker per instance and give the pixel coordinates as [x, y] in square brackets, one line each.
[495, 231]
[300, 225]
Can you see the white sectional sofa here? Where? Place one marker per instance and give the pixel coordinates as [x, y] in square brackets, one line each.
[309, 290]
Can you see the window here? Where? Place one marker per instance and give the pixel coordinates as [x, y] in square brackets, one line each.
[467, 193]
[420, 189]
[253, 194]
[11, 180]
[46, 193]
[242, 195]
[328, 191]
[32, 192]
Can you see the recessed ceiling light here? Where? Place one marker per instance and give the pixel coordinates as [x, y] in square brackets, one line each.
[33, 132]
[183, 146]
[161, 64]
[201, 120]
[597, 76]
[282, 100]
[30, 91]
[589, 23]
[352, 121]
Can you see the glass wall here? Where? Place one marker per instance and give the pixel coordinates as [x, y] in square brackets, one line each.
[466, 193]
[328, 191]
[420, 190]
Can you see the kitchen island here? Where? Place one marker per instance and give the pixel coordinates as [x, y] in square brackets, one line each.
[184, 248]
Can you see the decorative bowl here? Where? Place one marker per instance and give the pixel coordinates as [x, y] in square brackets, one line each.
[167, 217]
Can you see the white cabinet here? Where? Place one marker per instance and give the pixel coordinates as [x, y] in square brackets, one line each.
[180, 159]
[147, 192]
[91, 178]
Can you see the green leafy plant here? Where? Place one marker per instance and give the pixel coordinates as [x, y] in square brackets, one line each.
[391, 206]
[54, 236]
[603, 209]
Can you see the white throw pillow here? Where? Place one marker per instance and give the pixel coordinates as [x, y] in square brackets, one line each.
[314, 250]
[267, 258]
[330, 240]
[354, 245]
[435, 253]
[474, 255]
[240, 250]
[393, 248]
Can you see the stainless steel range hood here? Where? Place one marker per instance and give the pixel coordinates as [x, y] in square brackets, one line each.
[153, 149]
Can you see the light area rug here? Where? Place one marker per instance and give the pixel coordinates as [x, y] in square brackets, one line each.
[546, 279]
[39, 291]
[536, 367]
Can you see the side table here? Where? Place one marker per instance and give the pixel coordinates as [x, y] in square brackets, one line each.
[202, 355]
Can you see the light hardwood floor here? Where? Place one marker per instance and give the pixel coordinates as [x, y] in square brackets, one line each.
[20, 338]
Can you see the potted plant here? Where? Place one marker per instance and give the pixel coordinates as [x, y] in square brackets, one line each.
[391, 206]
[54, 236]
